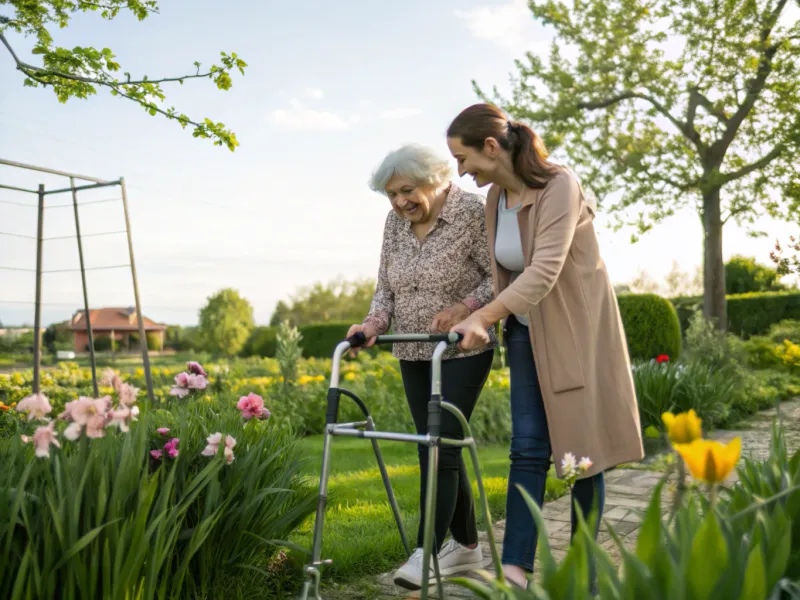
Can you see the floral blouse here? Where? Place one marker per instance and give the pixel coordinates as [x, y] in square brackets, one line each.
[419, 278]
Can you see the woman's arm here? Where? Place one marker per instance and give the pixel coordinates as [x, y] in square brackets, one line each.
[559, 210]
[381, 309]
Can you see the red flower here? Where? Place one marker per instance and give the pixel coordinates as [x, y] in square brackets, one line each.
[662, 358]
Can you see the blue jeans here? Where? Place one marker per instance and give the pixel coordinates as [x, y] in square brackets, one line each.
[530, 454]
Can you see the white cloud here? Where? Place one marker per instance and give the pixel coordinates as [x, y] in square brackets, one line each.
[314, 93]
[400, 113]
[510, 26]
[299, 117]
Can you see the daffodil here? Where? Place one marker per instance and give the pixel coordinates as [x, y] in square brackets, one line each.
[710, 461]
[683, 428]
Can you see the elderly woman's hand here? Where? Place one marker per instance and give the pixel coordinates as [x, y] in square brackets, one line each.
[449, 317]
[475, 332]
[367, 330]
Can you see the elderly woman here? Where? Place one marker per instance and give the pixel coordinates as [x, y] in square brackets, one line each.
[434, 272]
[572, 391]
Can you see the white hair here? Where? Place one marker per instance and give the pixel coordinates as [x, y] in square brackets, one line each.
[419, 163]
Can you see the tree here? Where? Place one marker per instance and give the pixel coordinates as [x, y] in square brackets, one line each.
[226, 322]
[79, 72]
[338, 300]
[673, 103]
[744, 275]
[680, 283]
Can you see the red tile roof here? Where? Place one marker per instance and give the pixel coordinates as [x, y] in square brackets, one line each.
[118, 319]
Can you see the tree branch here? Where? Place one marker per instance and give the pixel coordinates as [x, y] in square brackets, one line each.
[703, 101]
[754, 87]
[759, 164]
[690, 132]
[29, 69]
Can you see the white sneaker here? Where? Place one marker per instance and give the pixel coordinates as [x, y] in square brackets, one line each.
[453, 558]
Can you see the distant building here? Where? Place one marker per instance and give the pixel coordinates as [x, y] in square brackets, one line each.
[117, 324]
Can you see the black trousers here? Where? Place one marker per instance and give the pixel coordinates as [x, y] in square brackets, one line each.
[462, 382]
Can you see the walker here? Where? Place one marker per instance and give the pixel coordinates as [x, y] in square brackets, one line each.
[366, 429]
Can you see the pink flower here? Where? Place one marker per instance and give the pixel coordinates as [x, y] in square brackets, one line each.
[194, 367]
[182, 379]
[214, 441]
[121, 416]
[127, 394]
[171, 447]
[42, 439]
[179, 392]
[110, 378]
[251, 406]
[37, 406]
[156, 454]
[89, 412]
[197, 382]
[162, 430]
[585, 463]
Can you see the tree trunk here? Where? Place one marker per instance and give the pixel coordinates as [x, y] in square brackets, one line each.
[714, 302]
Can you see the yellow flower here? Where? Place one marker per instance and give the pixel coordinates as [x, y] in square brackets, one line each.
[349, 376]
[683, 428]
[710, 461]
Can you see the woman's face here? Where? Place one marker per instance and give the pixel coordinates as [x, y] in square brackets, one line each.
[481, 165]
[410, 200]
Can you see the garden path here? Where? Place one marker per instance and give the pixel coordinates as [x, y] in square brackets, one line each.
[627, 493]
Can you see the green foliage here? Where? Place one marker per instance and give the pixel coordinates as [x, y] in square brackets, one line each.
[651, 326]
[225, 322]
[79, 72]
[320, 340]
[748, 314]
[288, 350]
[181, 339]
[788, 329]
[731, 553]
[744, 275]
[102, 519]
[338, 300]
[102, 343]
[679, 387]
[262, 342]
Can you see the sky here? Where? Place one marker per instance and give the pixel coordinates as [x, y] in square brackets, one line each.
[328, 92]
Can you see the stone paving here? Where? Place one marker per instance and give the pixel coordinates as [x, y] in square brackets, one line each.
[627, 494]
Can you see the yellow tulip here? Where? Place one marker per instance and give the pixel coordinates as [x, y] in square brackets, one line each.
[710, 461]
[683, 428]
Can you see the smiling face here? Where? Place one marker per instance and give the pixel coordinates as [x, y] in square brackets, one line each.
[481, 165]
[410, 200]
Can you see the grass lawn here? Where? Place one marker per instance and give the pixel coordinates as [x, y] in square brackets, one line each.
[360, 534]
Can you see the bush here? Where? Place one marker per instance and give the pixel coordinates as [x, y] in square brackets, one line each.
[744, 275]
[788, 329]
[651, 326]
[102, 518]
[748, 314]
[679, 387]
[262, 342]
[102, 343]
[320, 340]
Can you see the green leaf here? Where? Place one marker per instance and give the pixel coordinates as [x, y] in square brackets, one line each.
[708, 559]
[648, 545]
[546, 560]
[754, 586]
[82, 543]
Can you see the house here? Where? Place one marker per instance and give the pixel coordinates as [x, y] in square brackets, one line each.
[117, 325]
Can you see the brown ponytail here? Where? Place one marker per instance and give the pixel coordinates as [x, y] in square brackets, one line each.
[529, 156]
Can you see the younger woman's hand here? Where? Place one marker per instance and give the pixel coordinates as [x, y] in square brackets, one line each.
[475, 332]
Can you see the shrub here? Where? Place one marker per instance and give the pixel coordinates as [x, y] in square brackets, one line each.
[102, 518]
[102, 343]
[744, 275]
[788, 329]
[288, 350]
[679, 387]
[320, 340]
[262, 342]
[748, 314]
[651, 326]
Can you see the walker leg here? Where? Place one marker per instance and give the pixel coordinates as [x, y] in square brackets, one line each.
[313, 571]
[389, 492]
[498, 566]
[430, 504]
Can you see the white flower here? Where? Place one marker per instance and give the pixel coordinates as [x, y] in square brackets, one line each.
[585, 464]
[568, 463]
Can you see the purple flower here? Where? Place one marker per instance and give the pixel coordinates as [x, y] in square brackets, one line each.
[195, 368]
[171, 447]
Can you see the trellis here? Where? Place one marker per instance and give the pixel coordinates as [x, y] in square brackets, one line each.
[76, 184]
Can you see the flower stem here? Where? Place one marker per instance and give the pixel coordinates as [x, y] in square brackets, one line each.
[681, 487]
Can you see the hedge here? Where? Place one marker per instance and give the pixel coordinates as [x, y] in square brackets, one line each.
[319, 340]
[748, 314]
[651, 326]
